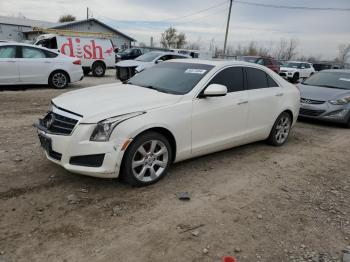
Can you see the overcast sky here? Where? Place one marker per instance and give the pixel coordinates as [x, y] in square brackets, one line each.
[318, 32]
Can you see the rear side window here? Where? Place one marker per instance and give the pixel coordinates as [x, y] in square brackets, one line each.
[29, 52]
[271, 82]
[50, 54]
[256, 78]
[7, 52]
[231, 77]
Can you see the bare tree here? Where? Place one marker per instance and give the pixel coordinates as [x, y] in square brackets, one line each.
[171, 39]
[286, 50]
[66, 18]
[344, 54]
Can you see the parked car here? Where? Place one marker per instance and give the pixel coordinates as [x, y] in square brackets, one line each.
[326, 96]
[294, 70]
[170, 112]
[96, 54]
[128, 54]
[128, 68]
[321, 66]
[265, 61]
[27, 64]
[201, 54]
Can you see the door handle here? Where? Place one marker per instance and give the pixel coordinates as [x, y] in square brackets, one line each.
[46, 62]
[242, 102]
[279, 94]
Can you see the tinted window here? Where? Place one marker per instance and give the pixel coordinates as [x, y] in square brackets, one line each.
[7, 52]
[29, 52]
[307, 66]
[49, 54]
[171, 77]
[231, 77]
[271, 82]
[256, 78]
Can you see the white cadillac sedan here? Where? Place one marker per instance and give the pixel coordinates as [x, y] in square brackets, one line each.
[22, 64]
[168, 113]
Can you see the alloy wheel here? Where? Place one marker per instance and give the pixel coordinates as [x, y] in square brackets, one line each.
[150, 160]
[59, 80]
[282, 129]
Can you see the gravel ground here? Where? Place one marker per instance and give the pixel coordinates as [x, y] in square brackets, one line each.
[255, 202]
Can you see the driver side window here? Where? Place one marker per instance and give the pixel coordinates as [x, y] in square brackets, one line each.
[231, 77]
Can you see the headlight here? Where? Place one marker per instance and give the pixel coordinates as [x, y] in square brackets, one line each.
[103, 129]
[341, 101]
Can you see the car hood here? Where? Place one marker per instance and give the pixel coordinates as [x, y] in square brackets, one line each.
[101, 102]
[287, 69]
[321, 93]
[132, 63]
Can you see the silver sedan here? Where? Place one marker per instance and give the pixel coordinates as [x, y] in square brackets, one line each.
[326, 96]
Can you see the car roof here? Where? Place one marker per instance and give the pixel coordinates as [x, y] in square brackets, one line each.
[218, 63]
[29, 45]
[299, 62]
[167, 53]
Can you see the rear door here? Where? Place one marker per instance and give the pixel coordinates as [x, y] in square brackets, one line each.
[220, 122]
[34, 66]
[9, 71]
[264, 97]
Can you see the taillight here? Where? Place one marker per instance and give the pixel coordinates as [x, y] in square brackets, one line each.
[77, 62]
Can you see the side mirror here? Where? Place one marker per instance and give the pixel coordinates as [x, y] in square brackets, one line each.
[159, 61]
[215, 90]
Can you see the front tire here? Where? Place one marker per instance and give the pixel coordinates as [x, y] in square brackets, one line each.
[280, 130]
[58, 79]
[98, 69]
[147, 159]
[295, 78]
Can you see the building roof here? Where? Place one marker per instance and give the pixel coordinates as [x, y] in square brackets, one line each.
[63, 25]
[8, 20]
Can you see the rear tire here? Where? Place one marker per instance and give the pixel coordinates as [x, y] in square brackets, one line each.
[58, 79]
[295, 78]
[98, 69]
[146, 160]
[280, 130]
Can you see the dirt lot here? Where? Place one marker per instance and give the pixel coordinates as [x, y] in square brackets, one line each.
[256, 202]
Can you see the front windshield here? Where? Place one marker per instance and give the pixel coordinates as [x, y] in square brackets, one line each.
[292, 65]
[339, 80]
[171, 77]
[148, 57]
[126, 52]
[251, 59]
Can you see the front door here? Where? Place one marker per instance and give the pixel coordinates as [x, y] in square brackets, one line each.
[220, 122]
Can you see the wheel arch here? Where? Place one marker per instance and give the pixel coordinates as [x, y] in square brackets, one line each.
[58, 70]
[165, 132]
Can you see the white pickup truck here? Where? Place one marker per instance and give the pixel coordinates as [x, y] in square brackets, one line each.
[294, 70]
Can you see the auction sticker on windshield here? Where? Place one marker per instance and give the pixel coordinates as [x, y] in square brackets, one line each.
[195, 71]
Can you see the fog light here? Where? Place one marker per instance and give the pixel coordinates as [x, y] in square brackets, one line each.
[338, 113]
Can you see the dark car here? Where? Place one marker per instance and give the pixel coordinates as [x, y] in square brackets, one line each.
[128, 54]
[321, 66]
[265, 61]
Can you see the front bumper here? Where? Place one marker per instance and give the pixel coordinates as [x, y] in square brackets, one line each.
[286, 75]
[325, 112]
[77, 154]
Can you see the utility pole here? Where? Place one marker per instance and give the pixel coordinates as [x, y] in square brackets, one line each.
[87, 12]
[227, 26]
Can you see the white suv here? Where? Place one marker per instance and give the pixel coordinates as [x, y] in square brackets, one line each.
[27, 64]
[294, 70]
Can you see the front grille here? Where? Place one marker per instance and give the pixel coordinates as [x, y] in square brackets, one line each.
[311, 102]
[310, 112]
[59, 124]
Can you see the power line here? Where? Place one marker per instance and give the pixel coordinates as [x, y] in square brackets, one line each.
[293, 7]
[195, 13]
